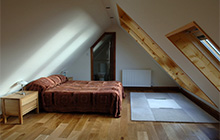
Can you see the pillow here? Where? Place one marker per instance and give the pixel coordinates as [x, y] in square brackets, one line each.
[46, 82]
[40, 84]
[62, 78]
[55, 79]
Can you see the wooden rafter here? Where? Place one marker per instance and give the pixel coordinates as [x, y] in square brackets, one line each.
[160, 56]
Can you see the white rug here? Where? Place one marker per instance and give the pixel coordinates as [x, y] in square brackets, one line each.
[167, 107]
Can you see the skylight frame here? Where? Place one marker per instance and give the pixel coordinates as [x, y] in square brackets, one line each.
[187, 40]
[193, 28]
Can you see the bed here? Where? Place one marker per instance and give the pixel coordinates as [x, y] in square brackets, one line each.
[58, 94]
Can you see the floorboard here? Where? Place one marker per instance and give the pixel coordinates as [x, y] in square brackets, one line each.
[72, 126]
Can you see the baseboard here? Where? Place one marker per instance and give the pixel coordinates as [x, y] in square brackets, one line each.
[153, 89]
[213, 112]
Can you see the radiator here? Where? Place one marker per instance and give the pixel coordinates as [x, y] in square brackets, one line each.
[136, 78]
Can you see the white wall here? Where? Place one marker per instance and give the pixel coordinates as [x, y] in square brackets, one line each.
[159, 17]
[39, 38]
[81, 68]
[129, 55]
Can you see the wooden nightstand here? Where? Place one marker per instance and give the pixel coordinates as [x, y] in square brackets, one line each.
[19, 105]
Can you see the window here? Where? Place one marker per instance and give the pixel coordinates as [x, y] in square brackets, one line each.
[211, 48]
[208, 44]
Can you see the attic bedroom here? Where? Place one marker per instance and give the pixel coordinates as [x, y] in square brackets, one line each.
[56, 41]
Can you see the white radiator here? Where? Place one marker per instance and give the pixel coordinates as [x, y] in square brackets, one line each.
[136, 78]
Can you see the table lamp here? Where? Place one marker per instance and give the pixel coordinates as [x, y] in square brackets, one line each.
[22, 83]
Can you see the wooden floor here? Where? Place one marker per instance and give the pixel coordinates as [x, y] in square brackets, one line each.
[55, 126]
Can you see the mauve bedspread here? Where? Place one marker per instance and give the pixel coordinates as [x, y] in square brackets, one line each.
[84, 96]
[81, 96]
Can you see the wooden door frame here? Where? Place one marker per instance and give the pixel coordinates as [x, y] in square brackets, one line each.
[113, 52]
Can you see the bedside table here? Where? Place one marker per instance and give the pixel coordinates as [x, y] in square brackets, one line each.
[19, 105]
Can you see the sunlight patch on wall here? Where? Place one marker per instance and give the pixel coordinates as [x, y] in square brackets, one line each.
[55, 51]
[70, 50]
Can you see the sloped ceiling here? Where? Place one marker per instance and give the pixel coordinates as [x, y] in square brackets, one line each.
[39, 38]
[157, 18]
[159, 55]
